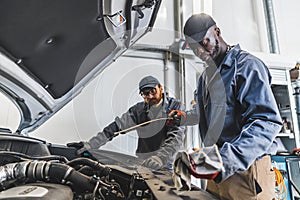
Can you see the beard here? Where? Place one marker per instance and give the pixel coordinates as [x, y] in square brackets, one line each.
[211, 61]
[214, 54]
[154, 101]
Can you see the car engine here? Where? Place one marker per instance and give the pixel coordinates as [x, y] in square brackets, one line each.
[33, 169]
[29, 170]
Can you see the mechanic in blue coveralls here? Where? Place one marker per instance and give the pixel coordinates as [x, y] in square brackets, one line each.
[158, 142]
[236, 110]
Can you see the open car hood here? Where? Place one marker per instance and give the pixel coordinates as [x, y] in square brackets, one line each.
[50, 49]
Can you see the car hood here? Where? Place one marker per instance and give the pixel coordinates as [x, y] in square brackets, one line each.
[50, 49]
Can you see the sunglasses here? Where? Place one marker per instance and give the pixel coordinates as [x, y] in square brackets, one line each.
[146, 92]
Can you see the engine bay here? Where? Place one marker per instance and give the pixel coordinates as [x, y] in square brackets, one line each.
[33, 169]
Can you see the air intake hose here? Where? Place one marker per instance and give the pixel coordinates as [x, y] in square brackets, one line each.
[46, 171]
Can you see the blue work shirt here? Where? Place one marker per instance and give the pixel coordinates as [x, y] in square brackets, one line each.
[237, 110]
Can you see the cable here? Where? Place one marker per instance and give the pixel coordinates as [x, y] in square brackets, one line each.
[141, 124]
[24, 156]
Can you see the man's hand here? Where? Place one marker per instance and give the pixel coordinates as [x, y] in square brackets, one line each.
[154, 162]
[82, 148]
[205, 163]
[177, 117]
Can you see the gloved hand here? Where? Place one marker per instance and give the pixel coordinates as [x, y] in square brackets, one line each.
[205, 163]
[296, 151]
[177, 117]
[82, 148]
[193, 171]
[153, 162]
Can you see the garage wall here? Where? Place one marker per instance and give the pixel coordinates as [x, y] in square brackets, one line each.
[242, 22]
[162, 34]
[286, 15]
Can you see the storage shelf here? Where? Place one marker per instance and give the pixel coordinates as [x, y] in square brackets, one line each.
[284, 110]
[290, 135]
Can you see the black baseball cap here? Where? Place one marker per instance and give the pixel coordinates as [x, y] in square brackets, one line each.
[148, 82]
[196, 27]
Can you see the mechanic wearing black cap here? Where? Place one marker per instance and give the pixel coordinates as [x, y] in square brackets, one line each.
[158, 141]
[236, 110]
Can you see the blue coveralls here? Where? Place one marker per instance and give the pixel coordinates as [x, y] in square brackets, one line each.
[238, 111]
